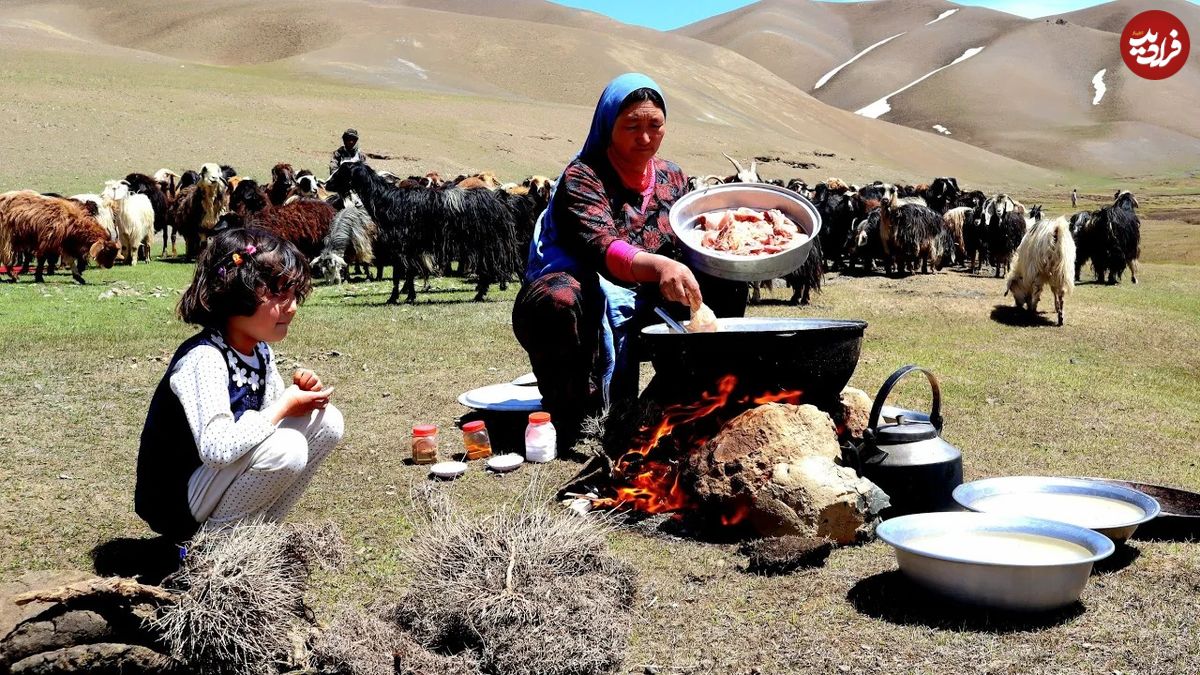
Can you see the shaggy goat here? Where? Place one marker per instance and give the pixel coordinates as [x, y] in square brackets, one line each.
[955, 221]
[167, 180]
[1004, 235]
[140, 183]
[283, 183]
[43, 226]
[864, 243]
[305, 223]
[910, 232]
[942, 194]
[195, 212]
[1112, 239]
[1046, 256]
[447, 222]
[104, 214]
[134, 217]
[351, 240]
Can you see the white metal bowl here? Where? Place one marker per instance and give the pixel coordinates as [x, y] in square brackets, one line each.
[448, 469]
[975, 579]
[968, 495]
[761, 196]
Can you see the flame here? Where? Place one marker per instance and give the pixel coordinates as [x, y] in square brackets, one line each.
[653, 485]
[740, 511]
[793, 397]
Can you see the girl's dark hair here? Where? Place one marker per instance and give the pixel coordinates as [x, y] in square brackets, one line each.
[236, 269]
[641, 96]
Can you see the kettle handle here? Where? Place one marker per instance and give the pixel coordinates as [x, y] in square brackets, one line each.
[935, 416]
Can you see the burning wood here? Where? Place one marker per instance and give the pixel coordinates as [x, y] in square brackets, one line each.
[735, 458]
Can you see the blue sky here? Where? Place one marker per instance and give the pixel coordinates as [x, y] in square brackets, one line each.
[669, 14]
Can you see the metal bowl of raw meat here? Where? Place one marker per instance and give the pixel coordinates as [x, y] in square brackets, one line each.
[1002, 562]
[761, 196]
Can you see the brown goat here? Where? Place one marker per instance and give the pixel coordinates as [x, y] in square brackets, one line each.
[194, 212]
[283, 183]
[304, 222]
[44, 226]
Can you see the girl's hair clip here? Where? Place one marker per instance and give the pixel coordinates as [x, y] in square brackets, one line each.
[237, 259]
[251, 249]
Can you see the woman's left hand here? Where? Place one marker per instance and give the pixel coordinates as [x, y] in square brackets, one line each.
[306, 380]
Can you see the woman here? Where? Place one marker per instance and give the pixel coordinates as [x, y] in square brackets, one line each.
[604, 256]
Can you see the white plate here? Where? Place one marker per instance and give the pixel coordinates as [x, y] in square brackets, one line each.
[525, 380]
[502, 463]
[504, 397]
[448, 469]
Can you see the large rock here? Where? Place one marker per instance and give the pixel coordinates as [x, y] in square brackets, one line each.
[855, 413]
[777, 463]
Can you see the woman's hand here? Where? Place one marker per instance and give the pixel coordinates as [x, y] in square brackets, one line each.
[297, 402]
[307, 380]
[677, 283]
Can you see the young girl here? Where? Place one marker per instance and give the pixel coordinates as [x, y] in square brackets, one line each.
[225, 439]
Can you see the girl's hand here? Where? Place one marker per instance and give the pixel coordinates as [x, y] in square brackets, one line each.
[296, 402]
[307, 380]
[677, 283]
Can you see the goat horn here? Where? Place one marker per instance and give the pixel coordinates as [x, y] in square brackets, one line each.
[736, 165]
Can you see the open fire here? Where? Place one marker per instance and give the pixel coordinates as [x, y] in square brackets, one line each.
[647, 478]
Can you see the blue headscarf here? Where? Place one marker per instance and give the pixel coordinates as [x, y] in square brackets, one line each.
[545, 253]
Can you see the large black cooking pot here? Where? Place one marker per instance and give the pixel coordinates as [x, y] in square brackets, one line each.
[816, 356]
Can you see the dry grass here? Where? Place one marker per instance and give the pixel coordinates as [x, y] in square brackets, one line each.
[241, 593]
[530, 587]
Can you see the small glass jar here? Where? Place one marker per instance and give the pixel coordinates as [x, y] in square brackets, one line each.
[541, 440]
[476, 440]
[424, 444]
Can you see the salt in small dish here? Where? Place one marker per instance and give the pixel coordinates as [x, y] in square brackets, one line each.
[505, 463]
[448, 469]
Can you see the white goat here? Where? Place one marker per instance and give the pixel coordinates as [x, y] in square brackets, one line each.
[1046, 256]
[134, 217]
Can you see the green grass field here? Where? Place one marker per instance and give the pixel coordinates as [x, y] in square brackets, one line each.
[1115, 392]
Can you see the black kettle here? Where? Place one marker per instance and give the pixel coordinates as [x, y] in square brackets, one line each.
[907, 458]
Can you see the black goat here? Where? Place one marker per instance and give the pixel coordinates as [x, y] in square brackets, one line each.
[1005, 232]
[1112, 239]
[140, 183]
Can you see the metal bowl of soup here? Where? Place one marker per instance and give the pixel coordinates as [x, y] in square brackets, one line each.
[1111, 510]
[685, 215]
[1010, 563]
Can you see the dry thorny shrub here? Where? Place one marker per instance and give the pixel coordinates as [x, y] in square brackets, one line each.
[531, 588]
[242, 593]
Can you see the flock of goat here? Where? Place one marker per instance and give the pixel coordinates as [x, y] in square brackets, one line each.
[422, 225]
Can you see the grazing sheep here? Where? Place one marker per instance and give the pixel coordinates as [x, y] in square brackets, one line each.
[975, 238]
[1112, 239]
[283, 183]
[195, 212]
[43, 226]
[350, 240]
[837, 209]
[1046, 256]
[306, 222]
[134, 217]
[525, 204]
[140, 183]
